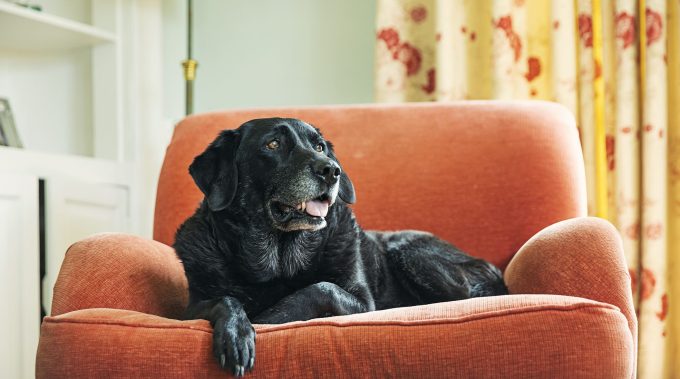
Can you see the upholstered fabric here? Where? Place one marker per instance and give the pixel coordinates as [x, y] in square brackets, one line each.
[122, 272]
[524, 336]
[470, 172]
[484, 175]
[577, 257]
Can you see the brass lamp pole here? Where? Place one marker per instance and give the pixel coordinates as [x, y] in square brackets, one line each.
[189, 65]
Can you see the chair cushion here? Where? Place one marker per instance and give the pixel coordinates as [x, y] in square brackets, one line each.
[515, 336]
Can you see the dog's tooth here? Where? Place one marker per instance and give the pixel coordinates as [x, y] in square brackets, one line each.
[303, 205]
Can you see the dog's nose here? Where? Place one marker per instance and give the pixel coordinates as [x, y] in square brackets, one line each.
[327, 170]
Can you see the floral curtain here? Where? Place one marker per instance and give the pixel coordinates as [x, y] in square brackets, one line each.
[616, 66]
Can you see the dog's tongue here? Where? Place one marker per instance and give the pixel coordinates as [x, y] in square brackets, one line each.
[316, 208]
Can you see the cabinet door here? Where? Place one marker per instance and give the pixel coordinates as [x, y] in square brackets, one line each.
[75, 210]
[19, 275]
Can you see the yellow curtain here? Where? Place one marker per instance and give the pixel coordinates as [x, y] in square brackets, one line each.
[616, 66]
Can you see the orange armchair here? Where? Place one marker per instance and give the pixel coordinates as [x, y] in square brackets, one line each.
[501, 180]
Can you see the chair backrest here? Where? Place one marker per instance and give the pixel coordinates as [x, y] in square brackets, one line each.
[483, 175]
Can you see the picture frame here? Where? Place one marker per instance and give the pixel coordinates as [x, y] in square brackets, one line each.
[8, 132]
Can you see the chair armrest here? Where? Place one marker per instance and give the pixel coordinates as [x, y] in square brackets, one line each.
[123, 272]
[580, 257]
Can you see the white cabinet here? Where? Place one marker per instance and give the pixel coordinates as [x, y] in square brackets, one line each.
[75, 210]
[80, 197]
[19, 275]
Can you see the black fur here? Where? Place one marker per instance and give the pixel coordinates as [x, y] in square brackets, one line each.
[250, 255]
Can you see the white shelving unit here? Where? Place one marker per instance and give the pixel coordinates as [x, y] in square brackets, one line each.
[76, 167]
[32, 30]
[63, 77]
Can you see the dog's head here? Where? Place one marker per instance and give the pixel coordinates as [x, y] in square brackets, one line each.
[279, 168]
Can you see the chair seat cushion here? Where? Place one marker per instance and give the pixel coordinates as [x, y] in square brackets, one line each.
[514, 336]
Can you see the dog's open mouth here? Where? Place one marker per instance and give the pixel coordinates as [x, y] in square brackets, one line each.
[317, 207]
[307, 214]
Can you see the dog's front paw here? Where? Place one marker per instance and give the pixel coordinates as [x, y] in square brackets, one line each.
[234, 345]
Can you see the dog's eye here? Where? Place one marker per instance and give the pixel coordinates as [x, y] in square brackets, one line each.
[319, 147]
[273, 144]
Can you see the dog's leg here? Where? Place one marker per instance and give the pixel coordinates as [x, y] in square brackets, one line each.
[432, 270]
[233, 334]
[322, 299]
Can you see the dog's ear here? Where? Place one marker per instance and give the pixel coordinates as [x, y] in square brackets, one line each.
[346, 190]
[215, 171]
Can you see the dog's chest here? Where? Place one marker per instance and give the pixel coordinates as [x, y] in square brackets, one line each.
[268, 257]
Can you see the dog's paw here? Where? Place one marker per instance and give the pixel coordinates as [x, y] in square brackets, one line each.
[234, 345]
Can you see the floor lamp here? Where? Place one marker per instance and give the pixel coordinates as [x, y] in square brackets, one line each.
[189, 64]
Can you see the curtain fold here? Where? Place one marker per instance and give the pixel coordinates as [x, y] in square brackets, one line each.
[616, 65]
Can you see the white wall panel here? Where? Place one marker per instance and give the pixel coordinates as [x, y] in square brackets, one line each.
[19, 275]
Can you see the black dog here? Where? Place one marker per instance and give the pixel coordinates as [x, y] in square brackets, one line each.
[274, 242]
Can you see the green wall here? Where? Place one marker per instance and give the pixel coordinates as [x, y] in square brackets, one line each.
[272, 53]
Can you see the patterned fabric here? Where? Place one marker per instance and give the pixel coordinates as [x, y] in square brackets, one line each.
[616, 66]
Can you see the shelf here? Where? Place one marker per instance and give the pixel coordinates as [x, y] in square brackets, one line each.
[47, 164]
[29, 30]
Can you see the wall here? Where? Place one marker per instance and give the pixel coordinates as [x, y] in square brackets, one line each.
[58, 117]
[270, 53]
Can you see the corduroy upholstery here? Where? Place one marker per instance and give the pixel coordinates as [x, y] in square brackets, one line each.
[502, 180]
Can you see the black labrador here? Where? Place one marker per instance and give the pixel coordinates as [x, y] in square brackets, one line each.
[274, 241]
